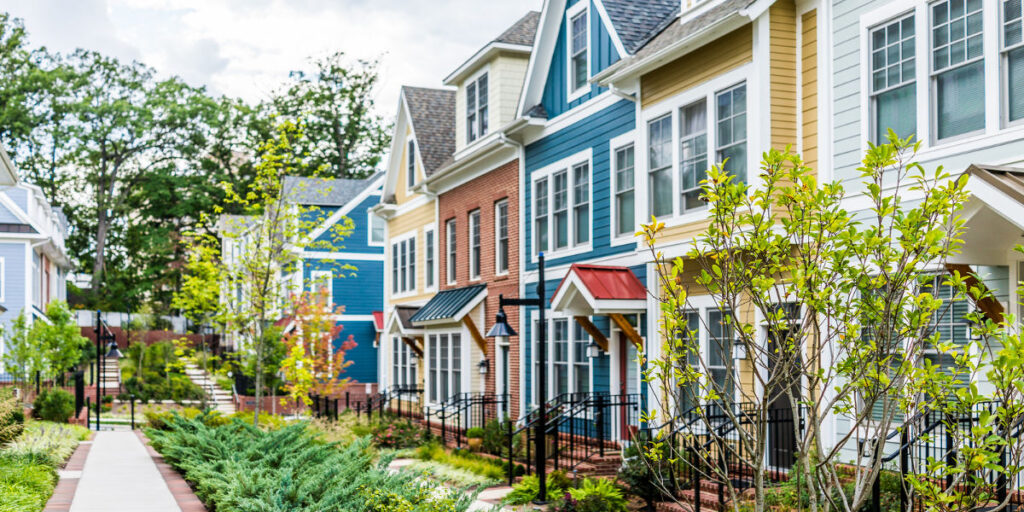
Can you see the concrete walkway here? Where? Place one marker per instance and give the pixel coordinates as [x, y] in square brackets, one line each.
[120, 476]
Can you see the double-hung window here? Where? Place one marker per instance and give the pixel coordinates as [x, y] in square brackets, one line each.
[403, 259]
[579, 38]
[452, 250]
[428, 242]
[376, 230]
[560, 200]
[403, 363]
[580, 360]
[731, 123]
[625, 212]
[474, 244]
[445, 377]
[476, 108]
[893, 87]
[501, 236]
[410, 165]
[321, 283]
[958, 67]
[950, 323]
[693, 154]
[720, 360]
[581, 203]
[568, 360]
[688, 354]
[1013, 57]
[659, 161]
[540, 213]
[560, 346]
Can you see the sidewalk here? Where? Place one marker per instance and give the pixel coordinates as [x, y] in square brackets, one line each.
[121, 474]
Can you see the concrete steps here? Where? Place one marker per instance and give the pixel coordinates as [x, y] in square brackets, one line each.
[222, 400]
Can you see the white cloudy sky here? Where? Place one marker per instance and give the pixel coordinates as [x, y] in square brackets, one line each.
[246, 47]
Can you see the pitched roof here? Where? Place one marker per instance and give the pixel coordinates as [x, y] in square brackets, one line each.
[522, 31]
[636, 21]
[1008, 180]
[324, 191]
[447, 304]
[607, 282]
[670, 33]
[405, 313]
[433, 121]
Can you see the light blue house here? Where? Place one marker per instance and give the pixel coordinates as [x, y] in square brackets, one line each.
[352, 268]
[576, 137]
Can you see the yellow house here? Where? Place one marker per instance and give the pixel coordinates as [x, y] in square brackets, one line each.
[724, 82]
[423, 139]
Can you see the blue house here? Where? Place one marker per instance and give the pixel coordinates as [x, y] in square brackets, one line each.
[352, 267]
[578, 205]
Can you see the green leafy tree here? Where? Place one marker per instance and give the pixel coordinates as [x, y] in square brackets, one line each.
[22, 357]
[60, 337]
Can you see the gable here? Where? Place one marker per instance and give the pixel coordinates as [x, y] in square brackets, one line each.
[7, 216]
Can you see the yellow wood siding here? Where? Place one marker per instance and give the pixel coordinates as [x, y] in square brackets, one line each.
[720, 56]
[505, 75]
[809, 86]
[782, 54]
[400, 226]
[683, 231]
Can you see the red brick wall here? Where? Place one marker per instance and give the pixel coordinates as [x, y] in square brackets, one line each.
[483, 193]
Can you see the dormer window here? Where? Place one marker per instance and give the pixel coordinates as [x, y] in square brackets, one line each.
[411, 165]
[579, 70]
[476, 108]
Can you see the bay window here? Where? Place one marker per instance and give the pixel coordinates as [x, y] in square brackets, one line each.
[957, 67]
[893, 86]
[625, 209]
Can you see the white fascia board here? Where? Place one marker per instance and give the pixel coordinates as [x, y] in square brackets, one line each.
[540, 58]
[482, 55]
[999, 202]
[607, 20]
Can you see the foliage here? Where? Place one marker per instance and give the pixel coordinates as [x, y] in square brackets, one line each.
[156, 372]
[641, 470]
[527, 489]
[347, 428]
[12, 417]
[414, 497]
[54, 405]
[161, 420]
[313, 363]
[495, 440]
[398, 434]
[267, 421]
[475, 433]
[593, 495]
[50, 443]
[47, 348]
[239, 467]
[450, 474]
[28, 466]
[461, 459]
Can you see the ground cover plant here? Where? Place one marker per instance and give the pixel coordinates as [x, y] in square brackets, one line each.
[460, 459]
[241, 468]
[28, 465]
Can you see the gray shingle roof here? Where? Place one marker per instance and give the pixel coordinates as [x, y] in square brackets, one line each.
[447, 303]
[323, 192]
[522, 31]
[405, 313]
[673, 32]
[433, 121]
[636, 21]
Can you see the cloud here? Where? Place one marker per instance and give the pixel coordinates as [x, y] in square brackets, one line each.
[247, 47]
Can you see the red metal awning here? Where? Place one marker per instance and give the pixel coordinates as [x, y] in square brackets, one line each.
[378, 320]
[599, 289]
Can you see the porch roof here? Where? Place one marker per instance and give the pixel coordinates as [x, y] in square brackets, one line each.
[599, 289]
[378, 320]
[400, 321]
[450, 305]
[1008, 180]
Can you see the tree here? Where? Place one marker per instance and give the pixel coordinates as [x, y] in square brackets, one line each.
[848, 305]
[60, 338]
[335, 106]
[22, 358]
[314, 364]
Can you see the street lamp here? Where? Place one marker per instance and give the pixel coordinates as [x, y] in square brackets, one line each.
[501, 328]
[112, 351]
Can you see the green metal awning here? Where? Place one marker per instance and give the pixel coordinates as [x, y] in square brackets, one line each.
[450, 306]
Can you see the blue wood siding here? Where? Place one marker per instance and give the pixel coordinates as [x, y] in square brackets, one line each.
[359, 290]
[602, 54]
[359, 239]
[594, 132]
[8, 217]
[364, 355]
[15, 280]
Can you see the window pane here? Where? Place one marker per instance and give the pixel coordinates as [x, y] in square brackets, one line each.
[896, 109]
[624, 183]
[481, 87]
[693, 154]
[1015, 89]
[581, 203]
[961, 100]
[561, 209]
[541, 214]
[579, 50]
[660, 162]
[430, 257]
[732, 131]
[471, 112]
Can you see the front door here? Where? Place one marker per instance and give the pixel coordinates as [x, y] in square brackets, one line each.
[628, 384]
[781, 415]
[503, 385]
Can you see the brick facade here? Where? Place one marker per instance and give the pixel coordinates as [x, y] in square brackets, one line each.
[484, 193]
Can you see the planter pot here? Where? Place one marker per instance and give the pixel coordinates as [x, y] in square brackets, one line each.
[475, 443]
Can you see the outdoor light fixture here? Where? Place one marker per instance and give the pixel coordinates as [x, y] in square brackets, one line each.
[593, 350]
[483, 366]
[502, 329]
[112, 351]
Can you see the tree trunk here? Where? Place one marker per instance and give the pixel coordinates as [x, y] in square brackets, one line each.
[102, 223]
[259, 374]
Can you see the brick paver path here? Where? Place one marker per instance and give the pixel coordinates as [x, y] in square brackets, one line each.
[119, 472]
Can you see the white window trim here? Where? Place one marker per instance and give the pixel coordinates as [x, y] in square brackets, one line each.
[565, 164]
[571, 95]
[614, 144]
[469, 243]
[485, 70]
[550, 318]
[391, 243]
[316, 275]
[706, 91]
[451, 274]
[369, 235]
[410, 365]
[405, 165]
[497, 238]
[703, 305]
[431, 228]
[429, 372]
[995, 131]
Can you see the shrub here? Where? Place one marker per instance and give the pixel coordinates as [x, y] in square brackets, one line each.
[12, 418]
[48, 443]
[593, 495]
[527, 489]
[475, 433]
[54, 405]
[161, 419]
[495, 441]
[461, 459]
[398, 434]
[28, 465]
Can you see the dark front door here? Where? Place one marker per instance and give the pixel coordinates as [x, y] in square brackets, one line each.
[503, 385]
[784, 371]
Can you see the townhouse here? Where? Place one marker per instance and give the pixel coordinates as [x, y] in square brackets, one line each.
[478, 232]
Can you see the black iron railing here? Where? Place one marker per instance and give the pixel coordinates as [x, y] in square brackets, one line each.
[463, 411]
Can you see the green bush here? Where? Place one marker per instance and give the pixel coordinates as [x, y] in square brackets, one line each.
[160, 420]
[12, 418]
[475, 433]
[144, 370]
[54, 405]
[527, 489]
[28, 465]
[495, 441]
[462, 459]
[593, 495]
[244, 469]
[398, 434]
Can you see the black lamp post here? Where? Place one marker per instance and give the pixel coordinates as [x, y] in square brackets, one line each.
[501, 328]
